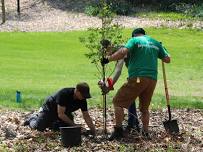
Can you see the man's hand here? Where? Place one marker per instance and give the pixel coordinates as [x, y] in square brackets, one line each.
[89, 122]
[106, 86]
[167, 59]
[103, 87]
[104, 61]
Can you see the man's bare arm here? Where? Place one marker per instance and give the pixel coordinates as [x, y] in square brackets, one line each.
[63, 116]
[118, 70]
[88, 121]
[120, 54]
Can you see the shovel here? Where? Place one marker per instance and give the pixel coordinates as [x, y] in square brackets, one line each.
[171, 126]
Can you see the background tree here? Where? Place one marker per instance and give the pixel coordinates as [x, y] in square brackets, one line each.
[3, 11]
[18, 7]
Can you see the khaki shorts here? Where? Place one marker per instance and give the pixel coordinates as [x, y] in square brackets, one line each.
[141, 87]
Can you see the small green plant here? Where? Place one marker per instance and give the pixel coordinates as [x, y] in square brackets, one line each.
[122, 148]
[40, 139]
[3, 147]
[21, 147]
[92, 10]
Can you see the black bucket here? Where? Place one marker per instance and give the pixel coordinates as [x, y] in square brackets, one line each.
[71, 136]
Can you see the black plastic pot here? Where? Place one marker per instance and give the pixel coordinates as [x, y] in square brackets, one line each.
[71, 136]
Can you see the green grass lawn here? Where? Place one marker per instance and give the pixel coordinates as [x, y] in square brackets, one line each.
[38, 64]
[164, 15]
[172, 16]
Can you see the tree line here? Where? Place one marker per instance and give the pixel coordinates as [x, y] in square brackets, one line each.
[122, 6]
[3, 8]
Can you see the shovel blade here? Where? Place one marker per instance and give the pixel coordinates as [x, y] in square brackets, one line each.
[171, 126]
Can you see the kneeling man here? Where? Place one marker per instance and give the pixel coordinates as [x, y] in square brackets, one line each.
[57, 110]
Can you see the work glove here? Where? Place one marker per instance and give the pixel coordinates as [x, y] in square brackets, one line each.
[106, 86]
[110, 83]
[103, 87]
[104, 61]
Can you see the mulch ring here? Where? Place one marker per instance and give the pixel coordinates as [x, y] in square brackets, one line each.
[15, 137]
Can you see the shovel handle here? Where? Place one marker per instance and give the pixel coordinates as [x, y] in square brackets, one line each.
[166, 90]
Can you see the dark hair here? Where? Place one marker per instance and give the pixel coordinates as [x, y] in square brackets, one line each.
[138, 31]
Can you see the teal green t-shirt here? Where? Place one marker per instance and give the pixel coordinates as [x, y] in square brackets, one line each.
[144, 52]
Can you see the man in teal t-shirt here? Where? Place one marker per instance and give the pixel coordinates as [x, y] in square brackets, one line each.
[144, 51]
[142, 76]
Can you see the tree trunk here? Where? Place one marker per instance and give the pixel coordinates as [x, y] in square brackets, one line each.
[18, 7]
[3, 11]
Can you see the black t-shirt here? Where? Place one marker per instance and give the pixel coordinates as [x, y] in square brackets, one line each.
[65, 98]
